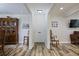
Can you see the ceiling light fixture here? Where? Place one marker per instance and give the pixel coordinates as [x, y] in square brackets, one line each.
[39, 11]
[61, 8]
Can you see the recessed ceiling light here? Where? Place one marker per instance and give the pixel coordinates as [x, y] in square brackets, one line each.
[39, 11]
[61, 8]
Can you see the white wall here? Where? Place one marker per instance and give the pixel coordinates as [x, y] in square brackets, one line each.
[63, 31]
[31, 43]
[73, 16]
[23, 19]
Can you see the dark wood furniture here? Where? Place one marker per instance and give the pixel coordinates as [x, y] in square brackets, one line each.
[10, 26]
[53, 39]
[2, 39]
[75, 37]
[26, 40]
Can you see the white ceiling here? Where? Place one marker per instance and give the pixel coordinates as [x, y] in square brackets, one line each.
[45, 7]
[13, 8]
[52, 8]
[68, 9]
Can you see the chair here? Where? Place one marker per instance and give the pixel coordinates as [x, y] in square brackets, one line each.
[75, 37]
[26, 38]
[54, 40]
[2, 34]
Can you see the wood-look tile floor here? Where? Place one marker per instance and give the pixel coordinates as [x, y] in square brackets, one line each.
[41, 50]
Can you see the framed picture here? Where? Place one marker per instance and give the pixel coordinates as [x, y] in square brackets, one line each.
[25, 26]
[54, 24]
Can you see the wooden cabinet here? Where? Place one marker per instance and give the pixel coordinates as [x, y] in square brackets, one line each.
[75, 37]
[10, 25]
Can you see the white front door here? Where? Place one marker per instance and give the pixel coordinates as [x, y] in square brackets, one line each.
[39, 27]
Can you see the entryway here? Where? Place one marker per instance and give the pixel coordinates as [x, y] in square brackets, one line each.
[39, 23]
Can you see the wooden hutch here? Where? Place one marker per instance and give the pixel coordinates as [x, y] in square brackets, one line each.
[10, 26]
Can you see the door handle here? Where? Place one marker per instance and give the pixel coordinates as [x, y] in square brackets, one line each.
[39, 32]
